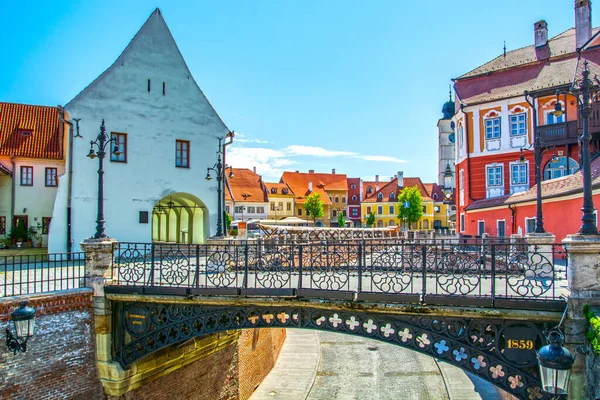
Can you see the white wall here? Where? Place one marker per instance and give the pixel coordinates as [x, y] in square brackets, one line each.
[153, 122]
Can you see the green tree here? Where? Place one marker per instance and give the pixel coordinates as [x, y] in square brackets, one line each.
[414, 211]
[314, 206]
[371, 219]
[341, 220]
[228, 219]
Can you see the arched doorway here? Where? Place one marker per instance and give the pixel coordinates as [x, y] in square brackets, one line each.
[180, 218]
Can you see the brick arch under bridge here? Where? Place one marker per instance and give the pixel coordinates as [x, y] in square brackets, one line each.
[497, 349]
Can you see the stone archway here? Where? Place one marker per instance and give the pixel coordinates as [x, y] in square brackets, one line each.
[180, 218]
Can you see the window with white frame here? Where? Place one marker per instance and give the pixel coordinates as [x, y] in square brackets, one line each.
[380, 196]
[518, 174]
[501, 228]
[480, 228]
[553, 119]
[518, 124]
[492, 128]
[460, 136]
[529, 225]
[239, 209]
[251, 209]
[392, 196]
[354, 198]
[354, 212]
[392, 210]
[494, 175]
[379, 210]
[260, 209]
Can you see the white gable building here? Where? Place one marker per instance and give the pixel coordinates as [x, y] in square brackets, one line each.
[168, 133]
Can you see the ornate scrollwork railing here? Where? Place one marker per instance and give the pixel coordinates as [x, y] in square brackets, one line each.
[428, 269]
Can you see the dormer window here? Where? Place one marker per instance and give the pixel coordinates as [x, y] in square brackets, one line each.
[369, 190]
[392, 196]
[380, 196]
[274, 190]
[284, 191]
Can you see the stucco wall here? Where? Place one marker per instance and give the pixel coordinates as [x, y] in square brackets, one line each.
[153, 122]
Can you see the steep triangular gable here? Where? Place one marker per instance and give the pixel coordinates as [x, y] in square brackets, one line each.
[153, 48]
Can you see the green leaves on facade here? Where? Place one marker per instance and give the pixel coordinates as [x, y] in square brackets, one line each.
[341, 220]
[371, 219]
[314, 206]
[414, 212]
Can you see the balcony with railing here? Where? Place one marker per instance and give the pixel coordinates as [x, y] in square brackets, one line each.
[559, 134]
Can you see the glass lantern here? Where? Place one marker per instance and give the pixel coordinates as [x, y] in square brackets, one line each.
[24, 326]
[555, 365]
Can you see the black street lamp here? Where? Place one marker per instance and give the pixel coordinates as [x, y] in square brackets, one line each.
[582, 91]
[555, 366]
[537, 160]
[23, 325]
[219, 169]
[101, 142]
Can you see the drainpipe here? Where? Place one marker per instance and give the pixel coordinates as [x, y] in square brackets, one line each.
[13, 189]
[466, 126]
[513, 212]
[70, 178]
[229, 135]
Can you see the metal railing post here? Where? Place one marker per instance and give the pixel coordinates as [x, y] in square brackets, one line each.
[424, 272]
[360, 265]
[197, 272]
[245, 280]
[493, 274]
[152, 259]
[300, 262]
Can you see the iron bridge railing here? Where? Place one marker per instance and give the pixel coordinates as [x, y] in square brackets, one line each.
[41, 273]
[424, 272]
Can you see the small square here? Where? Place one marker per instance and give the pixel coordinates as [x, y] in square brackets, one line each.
[143, 217]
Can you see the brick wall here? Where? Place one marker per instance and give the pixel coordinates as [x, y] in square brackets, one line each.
[258, 352]
[60, 361]
[213, 377]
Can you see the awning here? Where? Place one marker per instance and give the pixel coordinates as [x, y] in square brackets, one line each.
[4, 170]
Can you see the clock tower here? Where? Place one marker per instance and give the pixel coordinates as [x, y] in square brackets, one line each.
[446, 145]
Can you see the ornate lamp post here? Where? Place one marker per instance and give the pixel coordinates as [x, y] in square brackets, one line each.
[219, 169]
[582, 91]
[537, 160]
[23, 325]
[555, 366]
[100, 143]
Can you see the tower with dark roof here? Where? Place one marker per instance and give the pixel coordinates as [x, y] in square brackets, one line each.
[446, 140]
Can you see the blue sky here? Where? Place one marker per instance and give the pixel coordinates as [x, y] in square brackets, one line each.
[353, 85]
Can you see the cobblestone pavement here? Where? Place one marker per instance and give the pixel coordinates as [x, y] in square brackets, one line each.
[323, 365]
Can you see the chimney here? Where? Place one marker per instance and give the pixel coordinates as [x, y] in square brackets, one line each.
[583, 21]
[376, 182]
[333, 171]
[254, 169]
[310, 186]
[540, 33]
[311, 171]
[400, 179]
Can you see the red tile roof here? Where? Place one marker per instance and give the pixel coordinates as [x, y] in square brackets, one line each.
[392, 187]
[299, 183]
[558, 187]
[245, 186]
[279, 188]
[509, 76]
[434, 188]
[46, 140]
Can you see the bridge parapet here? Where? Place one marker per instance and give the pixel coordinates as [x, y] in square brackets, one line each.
[584, 289]
[505, 273]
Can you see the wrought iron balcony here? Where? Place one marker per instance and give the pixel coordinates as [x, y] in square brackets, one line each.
[559, 134]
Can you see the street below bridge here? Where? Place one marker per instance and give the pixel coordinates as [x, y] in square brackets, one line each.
[324, 365]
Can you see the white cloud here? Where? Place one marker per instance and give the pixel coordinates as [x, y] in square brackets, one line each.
[299, 150]
[268, 162]
[242, 138]
[382, 158]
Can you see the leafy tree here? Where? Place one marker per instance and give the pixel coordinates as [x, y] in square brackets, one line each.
[228, 219]
[341, 220]
[314, 206]
[414, 212]
[371, 219]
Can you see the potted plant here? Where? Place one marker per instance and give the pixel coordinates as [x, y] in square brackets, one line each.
[18, 234]
[4, 242]
[35, 235]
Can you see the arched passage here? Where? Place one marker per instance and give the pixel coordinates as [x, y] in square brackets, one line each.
[180, 218]
[479, 346]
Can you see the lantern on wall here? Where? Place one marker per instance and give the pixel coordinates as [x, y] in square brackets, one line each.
[23, 321]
